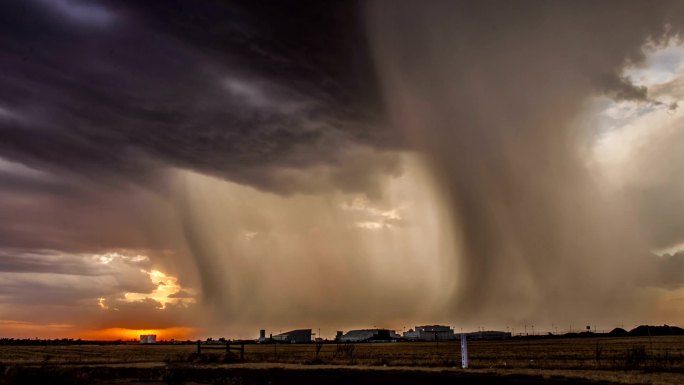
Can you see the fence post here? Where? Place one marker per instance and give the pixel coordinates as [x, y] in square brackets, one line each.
[242, 352]
[464, 351]
[227, 347]
[199, 349]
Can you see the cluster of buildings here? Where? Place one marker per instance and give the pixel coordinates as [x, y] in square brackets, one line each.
[420, 333]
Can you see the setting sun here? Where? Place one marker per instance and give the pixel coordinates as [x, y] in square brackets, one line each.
[175, 333]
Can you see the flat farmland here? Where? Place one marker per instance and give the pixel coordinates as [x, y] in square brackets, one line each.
[665, 353]
[656, 353]
[656, 360]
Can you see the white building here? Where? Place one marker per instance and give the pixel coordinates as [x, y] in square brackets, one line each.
[294, 336]
[368, 335]
[430, 333]
[148, 338]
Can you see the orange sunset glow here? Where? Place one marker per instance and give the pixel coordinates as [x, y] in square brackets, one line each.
[19, 329]
[110, 334]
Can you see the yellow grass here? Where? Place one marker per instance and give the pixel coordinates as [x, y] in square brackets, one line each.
[660, 360]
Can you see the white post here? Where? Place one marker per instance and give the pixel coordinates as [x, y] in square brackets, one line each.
[464, 351]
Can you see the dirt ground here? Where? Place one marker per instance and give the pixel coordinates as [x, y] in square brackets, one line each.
[207, 374]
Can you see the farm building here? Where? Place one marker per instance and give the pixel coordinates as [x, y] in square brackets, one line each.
[148, 338]
[368, 335]
[430, 333]
[294, 336]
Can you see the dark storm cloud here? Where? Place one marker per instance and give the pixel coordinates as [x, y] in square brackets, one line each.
[622, 88]
[234, 90]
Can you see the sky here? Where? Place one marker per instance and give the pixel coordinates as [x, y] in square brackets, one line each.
[212, 168]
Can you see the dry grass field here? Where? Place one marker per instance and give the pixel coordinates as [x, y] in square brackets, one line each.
[656, 353]
[653, 360]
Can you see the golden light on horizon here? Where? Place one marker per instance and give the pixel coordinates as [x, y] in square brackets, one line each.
[178, 333]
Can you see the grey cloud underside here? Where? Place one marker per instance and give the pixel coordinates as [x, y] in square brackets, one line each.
[49, 277]
[233, 90]
[11, 262]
